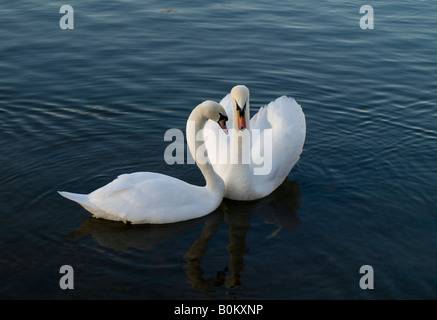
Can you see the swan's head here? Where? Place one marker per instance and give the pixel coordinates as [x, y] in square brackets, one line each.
[215, 112]
[240, 105]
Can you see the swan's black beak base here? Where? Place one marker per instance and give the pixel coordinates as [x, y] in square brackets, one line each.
[222, 122]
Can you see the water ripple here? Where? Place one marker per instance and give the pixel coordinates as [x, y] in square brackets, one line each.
[79, 107]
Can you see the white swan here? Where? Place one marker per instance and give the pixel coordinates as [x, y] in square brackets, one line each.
[147, 197]
[286, 120]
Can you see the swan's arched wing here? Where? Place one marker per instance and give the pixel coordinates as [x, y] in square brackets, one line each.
[121, 183]
[260, 119]
[286, 120]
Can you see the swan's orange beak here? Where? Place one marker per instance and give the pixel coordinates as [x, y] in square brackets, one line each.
[241, 119]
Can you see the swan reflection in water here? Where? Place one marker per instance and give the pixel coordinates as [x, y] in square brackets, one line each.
[279, 208]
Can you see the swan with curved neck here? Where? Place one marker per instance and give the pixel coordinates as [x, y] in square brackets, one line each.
[286, 120]
[148, 197]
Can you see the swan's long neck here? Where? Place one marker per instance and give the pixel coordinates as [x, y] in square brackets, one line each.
[196, 123]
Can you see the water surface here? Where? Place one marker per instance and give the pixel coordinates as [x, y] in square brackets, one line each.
[79, 107]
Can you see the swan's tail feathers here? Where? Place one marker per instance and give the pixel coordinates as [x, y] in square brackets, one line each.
[79, 198]
[83, 200]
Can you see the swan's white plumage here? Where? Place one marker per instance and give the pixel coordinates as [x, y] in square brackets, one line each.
[148, 197]
[287, 121]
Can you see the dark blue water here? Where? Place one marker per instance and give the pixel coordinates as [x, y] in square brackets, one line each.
[79, 107]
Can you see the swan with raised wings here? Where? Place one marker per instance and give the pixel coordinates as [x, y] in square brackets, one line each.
[286, 120]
